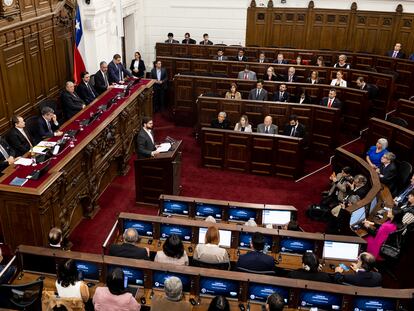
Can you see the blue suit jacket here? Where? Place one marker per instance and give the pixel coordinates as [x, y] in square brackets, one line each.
[256, 261]
[114, 72]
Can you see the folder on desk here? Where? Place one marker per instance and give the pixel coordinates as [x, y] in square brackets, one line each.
[17, 181]
[164, 147]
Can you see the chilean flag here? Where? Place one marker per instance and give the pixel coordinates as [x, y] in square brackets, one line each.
[79, 49]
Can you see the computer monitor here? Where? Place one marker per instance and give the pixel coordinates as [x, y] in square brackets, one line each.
[225, 237]
[133, 276]
[357, 216]
[215, 286]
[40, 264]
[184, 232]
[87, 270]
[159, 277]
[274, 217]
[372, 205]
[144, 228]
[246, 237]
[320, 300]
[374, 304]
[203, 210]
[239, 214]
[171, 207]
[340, 250]
[260, 292]
[296, 246]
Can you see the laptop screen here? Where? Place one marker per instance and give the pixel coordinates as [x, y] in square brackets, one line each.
[340, 250]
[225, 237]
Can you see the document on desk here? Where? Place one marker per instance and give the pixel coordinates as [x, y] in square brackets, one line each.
[120, 86]
[24, 161]
[45, 143]
[164, 147]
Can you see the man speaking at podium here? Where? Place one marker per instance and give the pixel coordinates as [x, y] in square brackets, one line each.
[146, 147]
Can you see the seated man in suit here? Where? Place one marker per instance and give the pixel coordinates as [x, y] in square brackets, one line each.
[370, 88]
[331, 100]
[294, 128]
[171, 38]
[206, 41]
[6, 154]
[240, 56]
[247, 74]
[262, 58]
[128, 248]
[71, 102]
[146, 147]
[220, 55]
[267, 127]
[187, 39]
[275, 302]
[365, 274]
[259, 93]
[280, 59]
[396, 53]
[359, 186]
[116, 71]
[48, 126]
[291, 77]
[402, 198]
[256, 260]
[18, 138]
[282, 95]
[221, 122]
[85, 90]
[388, 171]
[101, 79]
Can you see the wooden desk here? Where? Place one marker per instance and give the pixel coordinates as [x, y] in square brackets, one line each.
[77, 177]
[405, 110]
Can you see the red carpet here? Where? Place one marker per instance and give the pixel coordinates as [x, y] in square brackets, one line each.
[204, 183]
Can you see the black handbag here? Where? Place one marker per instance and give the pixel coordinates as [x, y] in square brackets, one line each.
[391, 248]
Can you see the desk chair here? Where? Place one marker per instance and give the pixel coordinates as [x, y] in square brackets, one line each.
[22, 297]
[218, 266]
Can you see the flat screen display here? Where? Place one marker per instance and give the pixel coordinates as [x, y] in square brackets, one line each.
[42, 264]
[246, 237]
[132, 276]
[241, 214]
[357, 216]
[322, 300]
[260, 292]
[296, 246]
[340, 250]
[225, 237]
[183, 232]
[204, 210]
[372, 205]
[214, 287]
[374, 304]
[144, 228]
[171, 207]
[159, 277]
[272, 217]
[87, 270]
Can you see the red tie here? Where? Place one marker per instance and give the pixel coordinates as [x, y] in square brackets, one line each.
[330, 103]
[246, 76]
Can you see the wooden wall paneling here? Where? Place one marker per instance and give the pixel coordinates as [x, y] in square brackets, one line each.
[34, 67]
[262, 154]
[287, 28]
[287, 153]
[406, 32]
[405, 110]
[256, 19]
[183, 99]
[237, 152]
[233, 110]
[376, 131]
[403, 145]
[48, 48]
[213, 149]
[255, 113]
[404, 82]
[4, 94]
[28, 8]
[64, 54]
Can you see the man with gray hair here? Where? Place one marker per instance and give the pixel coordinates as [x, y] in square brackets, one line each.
[128, 249]
[101, 82]
[221, 122]
[388, 171]
[71, 102]
[172, 301]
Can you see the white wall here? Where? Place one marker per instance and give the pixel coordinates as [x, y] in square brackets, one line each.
[223, 20]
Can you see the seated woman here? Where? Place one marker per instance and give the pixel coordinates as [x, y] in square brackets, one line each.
[339, 81]
[172, 252]
[303, 98]
[270, 75]
[299, 60]
[68, 285]
[314, 78]
[219, 303]
[379, 235]
[342, 62]
[243, 125]
[320, 62]
[211, 252]
[233, 93]
[114, 296]
[375, 153]
[310, 270]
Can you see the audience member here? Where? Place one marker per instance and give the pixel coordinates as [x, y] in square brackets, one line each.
[188, 40]
[206, 41]
[259, 93]
[294, 128]
[67, 283]
[396, 53]
[171, 38]
[311, 270]
[128, 249]
[159, 73]
[267, 127]
[101, 78]
[280, 59]
[172, 301]
[274, 302]
[359, 186]
[55, 238]
[243, 125]
[137, 66]
[172, 252]
[298, 60]
[375, 153]
[379, 235]
[116, 70]
[247, 74]
[365, 274]
[270, 75]
[331, 100]
[71, 102]
[221, 122]
[402, 198]
[220, 55]
[349, 201]
[281, 96]
[408, 210]
[113, 296]
[219, 303]
[256, 260]
[262, 58]
[7, 155]
[85, 89]
[320, 62]
[233, 93]
[210, 252]
[146, 147]
[291, 77]
[388, 170]
[240, 56]
[47, 125]
[370, 88]
[18, 138]
[314, 78]
[342, 64]
[339, 81]
[303, 98]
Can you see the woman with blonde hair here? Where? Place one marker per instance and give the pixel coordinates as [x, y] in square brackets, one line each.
[243, 125]
[210, 252]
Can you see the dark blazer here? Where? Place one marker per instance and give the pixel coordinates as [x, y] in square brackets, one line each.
[100, 85]
[18, 142]
[88, 95]
[361, 192]
[284, 62]
[71, 104]
[256, 261]
[164, 78]
[335, 104]
[208, 42]
[244, 58]
[262, 96]
[223, 125]
[265, 77]
[144, 145]
[222, 58]
[266, 60]
[309, 80]
[307, 99]
[278, 98]
[389, 174]
[300, 130]
[43, 131]
[371, 89]
[173, 41]
[141, 68]
[294, 78]
[360, 278]
[113, 72]
[128, 250]
[310, 276]
[399, 55]
[3, 163]
[189, 41]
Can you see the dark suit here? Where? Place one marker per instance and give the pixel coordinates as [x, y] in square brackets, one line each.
[141, 68]
[389, 174]
[299, 132]
[128, 250]
[86, 92]
[3, 161]
[71, 104]
[144, 144]
[399, 54]
[284, 62]
[361, 192]
[294, 78]
[159, 89]
[223, 125]
[371, 89]
[307, 99]
[18, 142]
[173, 41]
[204, 43]
[115, 72]
[360, 278]
[189, 41]
[266, 60]
[101, 85]
[309, 80]
[283, 98]
[335, 104]
[256, 261]
[265, 77]
[222, 57]
[43, 130]
[262, 96]
[310, 276]
[243, 59]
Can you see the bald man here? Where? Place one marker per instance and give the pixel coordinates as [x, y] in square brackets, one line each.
[128, 249]
[267, 127]
[71, 102]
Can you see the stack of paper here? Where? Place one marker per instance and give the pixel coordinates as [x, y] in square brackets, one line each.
[164, 147]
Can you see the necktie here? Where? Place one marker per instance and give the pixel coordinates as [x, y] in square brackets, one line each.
[394, 55]
[90, 89]
[105, 79]
[281, 96]
[120, 73]
[290, 78]
[48, 126]
[220, 58]
[267, 130]
[4, 152]
[27, 138]
[292, 133]
[246, 76]
[258, 93]
[330, 103]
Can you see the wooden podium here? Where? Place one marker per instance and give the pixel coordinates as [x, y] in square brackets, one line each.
[158, 175]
